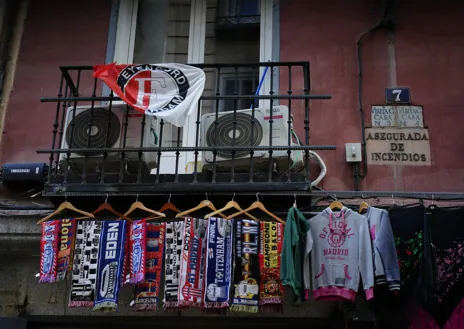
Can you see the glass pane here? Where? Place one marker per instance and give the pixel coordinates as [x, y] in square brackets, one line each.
[230, 39]
[162, 36]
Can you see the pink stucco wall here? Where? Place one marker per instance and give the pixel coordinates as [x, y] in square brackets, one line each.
[429, 52]
[72, 32]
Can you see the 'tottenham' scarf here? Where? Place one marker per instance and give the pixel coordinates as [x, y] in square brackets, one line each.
[173, 254]
[110, 264]
[270, 288]
[48, 251]
[85, 262]
[137, 247]
[218, 263]
[192, 263]
[66, 243]
[246, 266]
[147, 293]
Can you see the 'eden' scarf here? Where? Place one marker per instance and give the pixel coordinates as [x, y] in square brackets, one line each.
[246, 266]
[270, 288]
[85, 263]
[147, 293]
[48, 251]
[110, 264]
[192, 263]
[173, 254]
[218, 263]
[137, 246]
[66, 243]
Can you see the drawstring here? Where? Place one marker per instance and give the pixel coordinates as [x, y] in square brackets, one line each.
[342, 216]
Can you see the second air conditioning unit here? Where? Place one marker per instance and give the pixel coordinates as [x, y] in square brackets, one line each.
[76, 136]
[222, 134]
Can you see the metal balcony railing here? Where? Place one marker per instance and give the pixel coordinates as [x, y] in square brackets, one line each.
[99, 145]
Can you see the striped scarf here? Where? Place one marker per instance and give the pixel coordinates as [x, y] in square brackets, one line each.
[173, 254]
[192, 267]
[110, 265]
[147, 293]
[85, 263]
[246, 266]
[270, 288]
[218, 263]
[48, 251]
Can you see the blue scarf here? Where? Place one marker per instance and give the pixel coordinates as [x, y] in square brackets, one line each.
[218, 263]
[110, 265]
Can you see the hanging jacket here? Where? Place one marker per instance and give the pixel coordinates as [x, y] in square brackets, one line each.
[341, 252]
[385, 260]
[291, 269]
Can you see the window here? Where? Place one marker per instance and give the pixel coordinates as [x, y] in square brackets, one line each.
[240, 83]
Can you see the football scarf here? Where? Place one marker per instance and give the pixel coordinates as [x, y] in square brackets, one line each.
[85, 262]
[218, 271]
[147, 293]
[169, 91]
[270, 287]
[192, 267]
[173, 252]
[246, 266]
[48, 251]
[137, 247]
[110, 264]
[66, 243]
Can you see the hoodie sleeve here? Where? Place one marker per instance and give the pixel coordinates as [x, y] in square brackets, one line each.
[385, 245]
[365, 261]
[306, 264]
[287, 265]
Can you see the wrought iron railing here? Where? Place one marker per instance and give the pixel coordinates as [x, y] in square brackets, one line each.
[102, 146]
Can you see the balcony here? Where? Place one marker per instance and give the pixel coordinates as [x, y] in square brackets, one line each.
[235, 144]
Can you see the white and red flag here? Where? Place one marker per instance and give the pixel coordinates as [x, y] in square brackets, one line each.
[168, 91]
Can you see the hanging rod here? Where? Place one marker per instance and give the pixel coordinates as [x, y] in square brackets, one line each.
[436, 196]
[389, 194]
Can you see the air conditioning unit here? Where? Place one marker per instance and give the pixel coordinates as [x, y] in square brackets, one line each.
[77, 123]
[222, 134]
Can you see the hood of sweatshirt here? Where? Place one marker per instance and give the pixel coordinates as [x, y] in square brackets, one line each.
[337, 215]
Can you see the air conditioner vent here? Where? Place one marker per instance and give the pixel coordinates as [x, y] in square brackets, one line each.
[222, 134]
[99, 130]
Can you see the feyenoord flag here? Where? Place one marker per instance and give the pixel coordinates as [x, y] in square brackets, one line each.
[168, 91]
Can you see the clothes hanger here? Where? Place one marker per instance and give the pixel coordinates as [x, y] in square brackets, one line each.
[203, 204]
[231, 204]
[336, 204]
[257, 205]
[169, 206]
[108, 207]
[294, 203]
[139, 205]
[363, 206]
[66, 206]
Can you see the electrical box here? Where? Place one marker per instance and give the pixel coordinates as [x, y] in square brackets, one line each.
[353, 152]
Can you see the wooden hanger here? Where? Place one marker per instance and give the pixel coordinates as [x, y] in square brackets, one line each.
[66, 206]
[363, 207]
[203, 204]
[108, 207]
[336, 205]
[169, 206]
[140, 206]
[257, 205]
[231, 204]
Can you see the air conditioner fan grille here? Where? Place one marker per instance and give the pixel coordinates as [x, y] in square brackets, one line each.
[221, 134]
[99, 130]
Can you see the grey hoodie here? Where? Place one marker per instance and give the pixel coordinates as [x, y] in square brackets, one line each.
[341, 254]
[385, 259]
